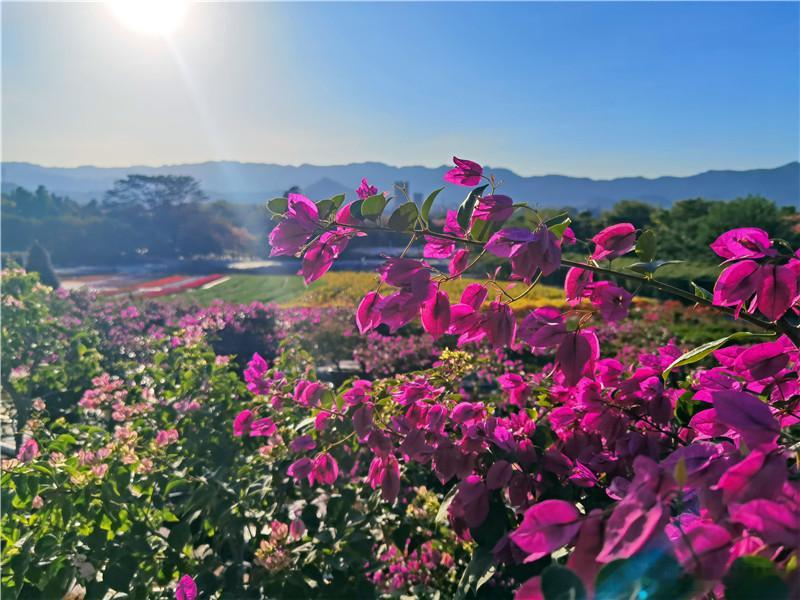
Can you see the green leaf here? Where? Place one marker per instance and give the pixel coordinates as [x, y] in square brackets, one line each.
[479, 570]
[652, 266]
[702, 292]
[372, 207]
[355, 209]
[701, 352]
[278, 206]
[686, 407]
[646, 246]
[754, 577]
[483, 230]
[558, 228]
[561, 583]
[466, 208]
[404, 218]
[559, 218]
[337, 201]
[428, 204]
[324, 208]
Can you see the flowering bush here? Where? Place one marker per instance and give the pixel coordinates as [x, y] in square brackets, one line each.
[559, 452]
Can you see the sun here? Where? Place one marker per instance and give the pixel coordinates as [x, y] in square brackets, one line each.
[151, 17]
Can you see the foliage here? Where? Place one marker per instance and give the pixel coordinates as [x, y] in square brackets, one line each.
[519, 461]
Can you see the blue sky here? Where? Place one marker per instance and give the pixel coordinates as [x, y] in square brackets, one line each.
[592, 89]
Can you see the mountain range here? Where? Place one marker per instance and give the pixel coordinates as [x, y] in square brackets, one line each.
[251, 183]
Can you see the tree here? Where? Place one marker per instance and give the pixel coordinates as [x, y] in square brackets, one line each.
[154, 192]
[39, 262]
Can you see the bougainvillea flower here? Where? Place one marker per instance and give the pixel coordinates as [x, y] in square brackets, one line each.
[465, 173]
[635, 520]
[612, 301]
[385, 473]
[296, 228]
[325, 469]
[242, 423]
[757, 475]
[576, 285]
[737, 284]
[459, 262]
[256, 375]
[505, 241]
[301, 468]
[165, 437]
[368, 315]
[516, 388]
[263, 427]
[543, 328]
[438, 248]
[546, 527]
[308, 393]
[568, 237]
[451, 224]
[365, 190]
[573, 354]
[28, 451]
[474, 295]
[494, 207]
[402, 272]
[499, 475]
[302, 443]
[775, 522]
[615, 241]
[542, 252]
[297, 529]
[747, 415]
[362, 421]
[500, 325]
[777, 291]
[358, 393]
[470, 504]
[345, 216]
[186, 589]
[702, 547]
[398, 309]
[530, 590]
[319, 257]
[762, 360]
[745, 242]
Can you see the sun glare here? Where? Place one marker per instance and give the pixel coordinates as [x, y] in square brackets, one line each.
[152, 17]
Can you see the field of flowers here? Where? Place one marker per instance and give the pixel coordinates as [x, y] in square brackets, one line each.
[579, 446]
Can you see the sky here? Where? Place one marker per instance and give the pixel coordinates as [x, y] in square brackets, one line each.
[586, 89]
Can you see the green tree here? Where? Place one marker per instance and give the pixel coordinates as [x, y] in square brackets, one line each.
[39, 262]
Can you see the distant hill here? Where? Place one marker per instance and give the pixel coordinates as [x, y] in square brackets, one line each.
[256, 182]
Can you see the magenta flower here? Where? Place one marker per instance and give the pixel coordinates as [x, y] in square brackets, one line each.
[543, 328]
[516, 388]
[474, 295]
[610, 300]
[165, 437]
[495, 207]
[614, 241]
[775, 522]
[747, 415]
[398, 309]
[263, 427]
[762, 360]
[302, 443]
[577, 285]
[297, 529]
[438, 248]
[573, 355]
[546, 527]
[470, 505]
[466, 173]
[296, 228]
[435, 314]
[186, 589]
[500, 325]
[368, 315]
[746, 242]
[504, 242]
[499, 475]
[242, 423]
[319, 257]
[459, 262]
[384, 472]
[365, 190]
[451, 224]
[308, 393]
[737, 284]
[703, 548]
[777, 291]
[325, 469]
[542, 252]
[301, 468]
[28, 451]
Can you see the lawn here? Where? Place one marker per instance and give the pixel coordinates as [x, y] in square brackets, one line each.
[340, 288]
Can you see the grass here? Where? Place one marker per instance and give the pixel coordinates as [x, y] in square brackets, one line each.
[342, 289]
